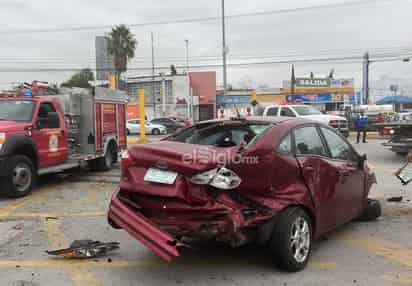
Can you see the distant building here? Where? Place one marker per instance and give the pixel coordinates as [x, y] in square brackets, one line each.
[104, 61]
[171, 95]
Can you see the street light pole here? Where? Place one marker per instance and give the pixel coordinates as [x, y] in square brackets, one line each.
[153, 78]
[190, 103]
[224, 49]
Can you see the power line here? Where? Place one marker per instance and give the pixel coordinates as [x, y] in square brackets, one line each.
[203, 19]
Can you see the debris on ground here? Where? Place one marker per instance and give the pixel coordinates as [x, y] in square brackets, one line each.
[85, 248]
[395, 199]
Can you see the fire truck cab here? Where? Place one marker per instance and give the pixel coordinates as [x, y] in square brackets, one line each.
[52, 133]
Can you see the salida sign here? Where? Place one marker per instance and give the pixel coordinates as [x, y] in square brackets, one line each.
[312, 82]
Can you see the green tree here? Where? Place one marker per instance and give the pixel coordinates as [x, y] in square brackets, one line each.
[80, 79]
[121, 45]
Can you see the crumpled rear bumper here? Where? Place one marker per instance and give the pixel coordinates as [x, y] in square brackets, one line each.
[159, 241]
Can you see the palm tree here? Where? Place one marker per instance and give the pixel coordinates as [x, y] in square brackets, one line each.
[121, 45]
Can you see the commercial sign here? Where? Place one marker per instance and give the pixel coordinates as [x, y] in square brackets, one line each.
[320, 83]
[312, 82]
[320, 98]
[233, 99]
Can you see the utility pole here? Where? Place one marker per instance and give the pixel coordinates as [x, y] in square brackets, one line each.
[365, 78]
[224, 48]
[190, 97]
[153, 78]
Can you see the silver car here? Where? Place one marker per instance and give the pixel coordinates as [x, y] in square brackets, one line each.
[133, 127]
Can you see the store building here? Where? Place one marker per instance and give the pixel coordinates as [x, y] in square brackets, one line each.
[173, 95]
[324, 93]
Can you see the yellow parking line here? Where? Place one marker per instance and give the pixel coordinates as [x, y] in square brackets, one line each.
[140, 263]
[382, 168]
[388, 250]
[19, 203]
[45, 214]
[79, 276]
[398, 279]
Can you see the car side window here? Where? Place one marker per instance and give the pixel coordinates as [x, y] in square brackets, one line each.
[339, 149]
[286, 111]
[47, 116]
[285, 146]
[308, 142]
[272, 111]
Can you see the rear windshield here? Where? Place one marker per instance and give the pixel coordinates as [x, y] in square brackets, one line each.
[222, 134]
[16, 110]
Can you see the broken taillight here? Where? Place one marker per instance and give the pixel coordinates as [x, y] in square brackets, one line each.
[126, 162]
[220, 178]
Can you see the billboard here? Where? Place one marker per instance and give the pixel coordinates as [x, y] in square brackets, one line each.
[104, 61]
[320, 98]
[312, 82]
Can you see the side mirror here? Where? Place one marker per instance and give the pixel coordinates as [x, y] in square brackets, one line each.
[38, 124]
[362, 160]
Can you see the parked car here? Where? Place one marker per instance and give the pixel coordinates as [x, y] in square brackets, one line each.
[279, 182]
[186, 122]
[309, 112]
[170, 124]
[133, 127]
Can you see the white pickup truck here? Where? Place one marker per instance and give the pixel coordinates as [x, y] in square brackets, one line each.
[308, 112]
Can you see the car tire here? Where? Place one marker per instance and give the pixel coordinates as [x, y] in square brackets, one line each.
[127, 131]
[291, 240]
[372, 211]
[22, 177]
[105, 163]
[155, 131]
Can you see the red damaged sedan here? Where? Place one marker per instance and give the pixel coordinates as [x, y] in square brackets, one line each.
[279, 182]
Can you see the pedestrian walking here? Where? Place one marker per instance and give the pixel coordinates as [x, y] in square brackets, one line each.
[361, 125]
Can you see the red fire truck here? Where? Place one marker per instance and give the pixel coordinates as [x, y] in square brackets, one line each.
[42, 134]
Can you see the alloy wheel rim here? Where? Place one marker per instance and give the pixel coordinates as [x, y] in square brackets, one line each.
[300, 239]
[22, 177]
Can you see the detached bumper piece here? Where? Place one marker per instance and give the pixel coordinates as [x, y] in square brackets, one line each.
[159, 241]
[85, 249]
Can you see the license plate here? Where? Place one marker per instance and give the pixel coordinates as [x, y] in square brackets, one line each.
[160, 176]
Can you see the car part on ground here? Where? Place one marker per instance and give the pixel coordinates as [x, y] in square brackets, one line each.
[85, 248]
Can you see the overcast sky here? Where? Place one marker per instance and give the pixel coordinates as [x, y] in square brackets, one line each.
[375, 26]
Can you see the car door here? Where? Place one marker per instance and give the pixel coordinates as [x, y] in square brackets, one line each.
[320, 175]
[351, 191]
[50, 136]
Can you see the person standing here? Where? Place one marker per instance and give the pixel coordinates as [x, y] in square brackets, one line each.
[361, 125]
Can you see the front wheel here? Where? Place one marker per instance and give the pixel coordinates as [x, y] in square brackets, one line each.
[291, 240]
[155, 131]
[21, 178]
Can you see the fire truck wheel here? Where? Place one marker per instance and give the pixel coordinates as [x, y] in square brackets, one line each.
[22, 177]
[105, 163]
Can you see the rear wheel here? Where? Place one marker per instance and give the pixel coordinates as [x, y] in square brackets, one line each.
[291, 240]
[155, 131]
[127, 131]
[106, 162]
[21, 178]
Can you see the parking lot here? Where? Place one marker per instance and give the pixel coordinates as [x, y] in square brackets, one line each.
[73, 206]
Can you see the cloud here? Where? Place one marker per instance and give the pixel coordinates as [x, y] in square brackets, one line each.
[262, 38]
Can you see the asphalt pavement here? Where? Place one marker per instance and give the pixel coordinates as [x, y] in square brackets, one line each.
[73, 206]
